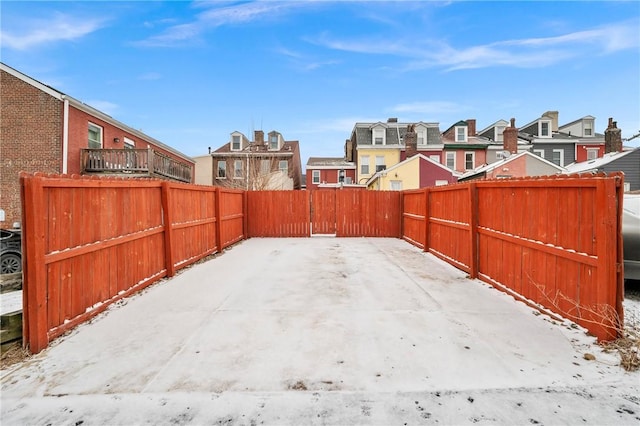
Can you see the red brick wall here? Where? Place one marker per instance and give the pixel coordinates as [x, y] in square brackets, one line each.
[328, 176]
[30, 139]
[79, 138]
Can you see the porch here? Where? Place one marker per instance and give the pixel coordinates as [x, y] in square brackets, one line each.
[134, 163]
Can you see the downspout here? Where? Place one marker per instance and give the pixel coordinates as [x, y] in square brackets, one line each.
[65, 137]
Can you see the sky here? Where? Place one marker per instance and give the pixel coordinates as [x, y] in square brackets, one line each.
[191, 73]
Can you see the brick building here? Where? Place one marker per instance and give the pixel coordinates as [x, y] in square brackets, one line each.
[273, 164]
[44, 130]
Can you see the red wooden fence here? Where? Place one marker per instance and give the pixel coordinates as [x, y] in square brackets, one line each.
[551, 241]
[94, 241]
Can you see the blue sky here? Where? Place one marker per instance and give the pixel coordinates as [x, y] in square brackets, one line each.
[190, 73]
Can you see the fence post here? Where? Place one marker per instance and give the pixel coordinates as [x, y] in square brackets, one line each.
[245, 212]
[607, 245]
[218, 210]
[473, 230]
[34, 301]
[426, 219]
[167, 217]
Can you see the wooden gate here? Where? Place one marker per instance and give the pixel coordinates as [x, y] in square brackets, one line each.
[323, 212]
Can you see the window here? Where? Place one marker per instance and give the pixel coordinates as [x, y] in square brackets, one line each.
[315, 176]
[435, 158]
[237, 169]
[235, 143]
[627, 186]
[364, 165]
[129, 143]
[422, 139]
[222, 170]
[95, 136]
[545, 129]
[273, 141]
[539, 152]
[469, 160]
[592, 153]
[265, 166]
[283, 166]
[499, 133]
[461, 134]
[558, 157]
[451, 160]
[396, 185]
[341, 176]
[380, 166]
[378, 136]
[347, 180]
[588, 128]
[442, 182]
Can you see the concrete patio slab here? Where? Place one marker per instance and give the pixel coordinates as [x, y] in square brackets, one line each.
[321, 331]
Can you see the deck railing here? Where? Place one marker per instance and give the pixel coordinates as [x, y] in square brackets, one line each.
[146, 162]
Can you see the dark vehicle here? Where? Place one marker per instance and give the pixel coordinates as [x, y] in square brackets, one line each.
[10, 251]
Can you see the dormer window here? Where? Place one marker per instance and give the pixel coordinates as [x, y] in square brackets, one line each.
[544, 129]
[461, 134]
[378, 136]
[588, 128]
[236, 144]
[422, 137]
[273, 142]
[499, 133]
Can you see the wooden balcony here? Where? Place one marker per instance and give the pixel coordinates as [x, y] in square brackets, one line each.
[134, 163]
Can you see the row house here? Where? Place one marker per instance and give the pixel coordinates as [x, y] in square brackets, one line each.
[323, 172]
[45, 130]
[272, 164]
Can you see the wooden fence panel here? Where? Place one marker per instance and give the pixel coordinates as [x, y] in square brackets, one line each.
[414, 212]
[450, 224]
[323, 211]
[90, 242]
[368, 213]
[278, 214]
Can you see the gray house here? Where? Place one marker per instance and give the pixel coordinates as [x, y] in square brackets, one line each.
[625, 161]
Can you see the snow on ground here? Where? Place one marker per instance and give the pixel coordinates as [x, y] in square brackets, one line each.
[321, 331]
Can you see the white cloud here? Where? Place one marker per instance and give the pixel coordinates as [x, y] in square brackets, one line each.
[217, 14]
[104, 106]
[59, 27]
[524, 53]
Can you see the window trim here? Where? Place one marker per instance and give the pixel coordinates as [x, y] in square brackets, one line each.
[364, 162]
[465, 135]
[235, 169]
[315, 176]
[473, 160]
[451, 154]
[539, 152]
[380, 163]
[540, 125]
[499, 133]
[101, 135]
[221, 162]
[383, 136]
[128, 143]
[561, 152]
[285, 169]
[592, 150]
[273, 138]
[239, 148]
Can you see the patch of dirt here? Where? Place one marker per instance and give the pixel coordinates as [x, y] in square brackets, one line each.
[13, 353]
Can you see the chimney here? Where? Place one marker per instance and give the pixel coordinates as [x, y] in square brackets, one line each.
[553, 115]
[258, 137]
[348, 150]
[411, 141]
[392, 120]
[471, 127]
[612, 137]
[510, 138]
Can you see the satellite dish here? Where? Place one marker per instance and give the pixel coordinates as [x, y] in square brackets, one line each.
[506, 154]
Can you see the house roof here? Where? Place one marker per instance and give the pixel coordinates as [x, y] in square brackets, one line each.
[394, 131]
[287, 147]
[408, 160]
[90, 110]
[586, 166]
[335, 162]
[486, 168]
